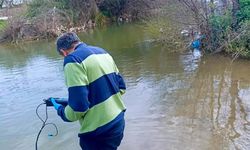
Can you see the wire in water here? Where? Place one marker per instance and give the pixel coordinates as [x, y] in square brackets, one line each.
[44, 121]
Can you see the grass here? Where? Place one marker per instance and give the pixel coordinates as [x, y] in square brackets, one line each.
[3, 25]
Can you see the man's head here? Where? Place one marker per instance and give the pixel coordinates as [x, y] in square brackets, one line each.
[66, 43]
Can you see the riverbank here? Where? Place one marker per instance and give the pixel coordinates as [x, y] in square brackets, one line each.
[19, 27]
[47, 19]
[217, 29]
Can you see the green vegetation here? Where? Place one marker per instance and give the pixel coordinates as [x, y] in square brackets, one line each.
[79, 11]
[244, 12]
[220, 26]
[230, 31]
[165, 26]
[3, 25]
[49, 18]
[101, 19]
[240, 43]
[40, 7]
[224, 24]
[165, 32]
[112, 8]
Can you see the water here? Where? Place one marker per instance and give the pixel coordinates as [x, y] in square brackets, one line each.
[175, 101]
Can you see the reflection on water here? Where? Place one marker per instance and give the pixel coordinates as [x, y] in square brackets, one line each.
[174, 101]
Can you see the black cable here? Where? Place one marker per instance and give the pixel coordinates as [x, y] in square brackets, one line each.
[44, 123]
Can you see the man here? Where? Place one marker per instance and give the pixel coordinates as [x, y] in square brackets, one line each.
[94, 94]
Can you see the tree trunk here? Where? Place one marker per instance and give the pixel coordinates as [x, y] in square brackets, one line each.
[1, 4]
[224, 5]
[212, 7]
[236, 8]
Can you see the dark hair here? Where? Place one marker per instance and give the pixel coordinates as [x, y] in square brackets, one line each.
[66, 40]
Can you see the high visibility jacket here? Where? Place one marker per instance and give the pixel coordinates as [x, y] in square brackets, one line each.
[95, 87]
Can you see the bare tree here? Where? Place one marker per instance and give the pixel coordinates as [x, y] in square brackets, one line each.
[1, 3]
[84, 9]
[236, 8]
[7, 3]
[224, 4]
[201, 11]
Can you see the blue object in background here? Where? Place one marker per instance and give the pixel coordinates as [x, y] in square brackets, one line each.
[196, 44]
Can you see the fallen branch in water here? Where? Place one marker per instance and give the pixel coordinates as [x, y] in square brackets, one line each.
[220, 49]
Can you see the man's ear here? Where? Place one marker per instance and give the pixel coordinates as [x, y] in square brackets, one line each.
[63, 52]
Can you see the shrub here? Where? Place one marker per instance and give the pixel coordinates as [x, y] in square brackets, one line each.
[3, 25]
[220, 26]
[244, 13]
[166, 32]
[111, 8]
[240, 44]
[100, 19]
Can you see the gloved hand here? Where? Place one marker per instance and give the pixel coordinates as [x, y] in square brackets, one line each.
[56, 105]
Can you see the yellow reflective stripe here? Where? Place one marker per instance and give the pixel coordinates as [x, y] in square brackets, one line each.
[71, 115]
[99, 65]
[75, 75]
[102, 113]
[92, 68]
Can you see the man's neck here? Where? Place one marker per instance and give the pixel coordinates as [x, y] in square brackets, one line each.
[75, 45]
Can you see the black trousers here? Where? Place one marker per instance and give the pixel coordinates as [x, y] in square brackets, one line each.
[110, 140]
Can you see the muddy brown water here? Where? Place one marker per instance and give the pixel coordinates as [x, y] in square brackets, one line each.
[174, 101]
